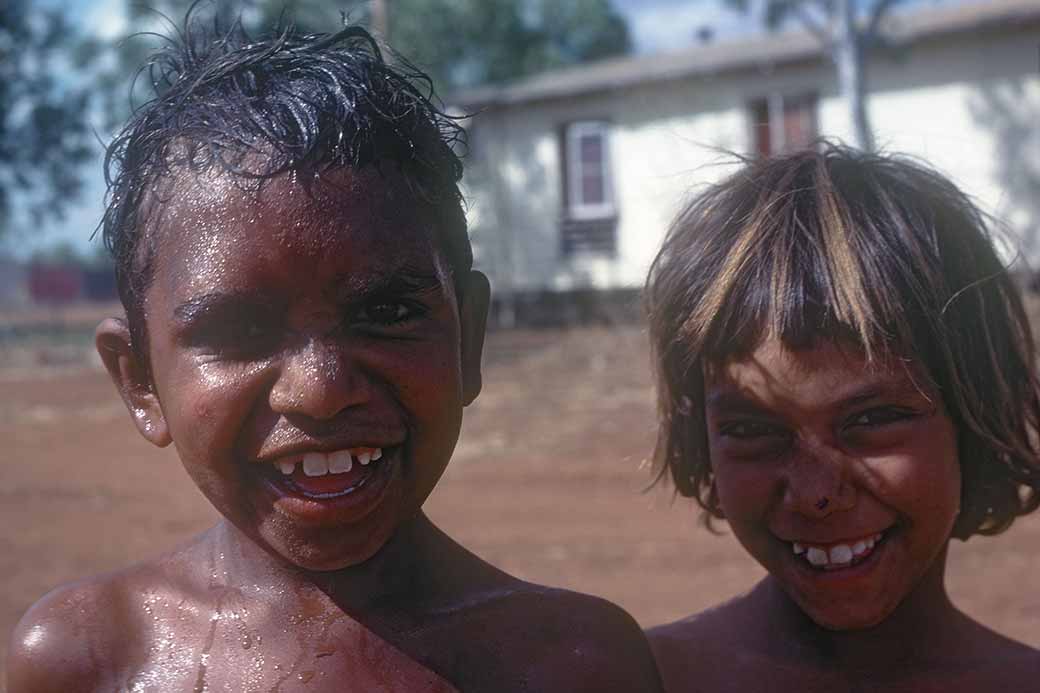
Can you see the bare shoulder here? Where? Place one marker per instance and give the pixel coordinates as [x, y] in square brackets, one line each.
[67, 640]
[999, 661]
[688, 651]
[598, 646]
[541, 639]
[89, 634]
[706, 631]
[1019, 668]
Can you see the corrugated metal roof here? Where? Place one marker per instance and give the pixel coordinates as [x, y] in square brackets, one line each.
[764, 52]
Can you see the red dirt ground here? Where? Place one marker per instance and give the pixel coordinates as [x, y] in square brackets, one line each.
[546, 483]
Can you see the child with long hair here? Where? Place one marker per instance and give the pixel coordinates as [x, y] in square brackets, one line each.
[846, 376]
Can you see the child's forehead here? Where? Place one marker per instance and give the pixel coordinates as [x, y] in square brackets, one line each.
[823, 371]
[214, 198]
[193, 212]
[219, 228]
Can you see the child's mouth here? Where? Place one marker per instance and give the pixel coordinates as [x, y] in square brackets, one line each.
[327, 475]
[837, 556]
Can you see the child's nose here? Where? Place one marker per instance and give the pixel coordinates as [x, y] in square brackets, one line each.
[818, 482]
[319, 380]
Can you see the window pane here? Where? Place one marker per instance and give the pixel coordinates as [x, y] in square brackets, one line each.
[799, 123]
[592, 188]
[763, 144]
[587, 190]
[591, 151]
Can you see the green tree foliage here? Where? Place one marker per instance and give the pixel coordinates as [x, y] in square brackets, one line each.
[470, 42]
[44, 136]
[458, 42]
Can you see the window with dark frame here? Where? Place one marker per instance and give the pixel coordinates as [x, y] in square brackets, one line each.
[783, 123]
[589, 215]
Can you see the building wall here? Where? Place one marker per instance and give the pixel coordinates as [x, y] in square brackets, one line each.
[970, 106]
[972, 111]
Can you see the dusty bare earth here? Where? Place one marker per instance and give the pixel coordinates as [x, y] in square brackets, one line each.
[546, 483]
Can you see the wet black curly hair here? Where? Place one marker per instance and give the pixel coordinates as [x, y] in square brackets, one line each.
[294, 102]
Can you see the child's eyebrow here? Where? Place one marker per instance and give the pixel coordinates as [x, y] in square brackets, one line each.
[730, 401]
[352, 288]
[398, 281]
[897, 386]
[727, 400]
[217, 303]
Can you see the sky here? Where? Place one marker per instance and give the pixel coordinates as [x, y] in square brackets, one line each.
[656, 26]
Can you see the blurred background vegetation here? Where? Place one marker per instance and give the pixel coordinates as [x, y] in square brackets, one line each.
[65, 82]
[65, 89]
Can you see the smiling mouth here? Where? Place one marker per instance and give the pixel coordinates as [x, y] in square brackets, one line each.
[837, 556]
[327, 475]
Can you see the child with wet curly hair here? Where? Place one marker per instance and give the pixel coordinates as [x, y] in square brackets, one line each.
[846, 376]
[304, 325]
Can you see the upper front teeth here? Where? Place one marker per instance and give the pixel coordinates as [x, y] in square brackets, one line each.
[315, 464]
[838, 554]
[816, 556]
[338, 462]
[841, 553]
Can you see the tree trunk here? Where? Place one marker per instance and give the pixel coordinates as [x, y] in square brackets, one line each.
[380, 24]
[847, 53]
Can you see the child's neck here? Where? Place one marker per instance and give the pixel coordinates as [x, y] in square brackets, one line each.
[401, 570]
[923, 629]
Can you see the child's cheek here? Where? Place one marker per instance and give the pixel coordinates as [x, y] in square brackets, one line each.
[743, 487]
[430, 366]
[215, 399]
[925, 465]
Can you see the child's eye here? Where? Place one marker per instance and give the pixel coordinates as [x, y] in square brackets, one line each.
[387, 313]
[746, 430]
[879, 416]
[752, 440]
[236, 339]
[880, 427]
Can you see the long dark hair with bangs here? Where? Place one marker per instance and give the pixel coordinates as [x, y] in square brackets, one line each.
[875, 251]
[254, 108]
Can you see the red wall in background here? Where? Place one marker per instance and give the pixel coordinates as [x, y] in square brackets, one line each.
[55, 283]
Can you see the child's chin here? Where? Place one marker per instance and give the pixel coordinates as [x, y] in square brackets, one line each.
[850, 619]
[324, 553]
[327, 564]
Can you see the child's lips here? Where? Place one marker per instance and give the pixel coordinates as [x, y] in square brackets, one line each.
[327, 474]
[832, 562]
[313, 494]
[837, 555]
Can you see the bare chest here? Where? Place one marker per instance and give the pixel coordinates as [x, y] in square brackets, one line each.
[235, 650]
[760, 677]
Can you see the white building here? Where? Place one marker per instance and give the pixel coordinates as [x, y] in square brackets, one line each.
[573, 175]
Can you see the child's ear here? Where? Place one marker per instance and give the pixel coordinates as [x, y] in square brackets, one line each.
[112, 339]
[473, 311]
